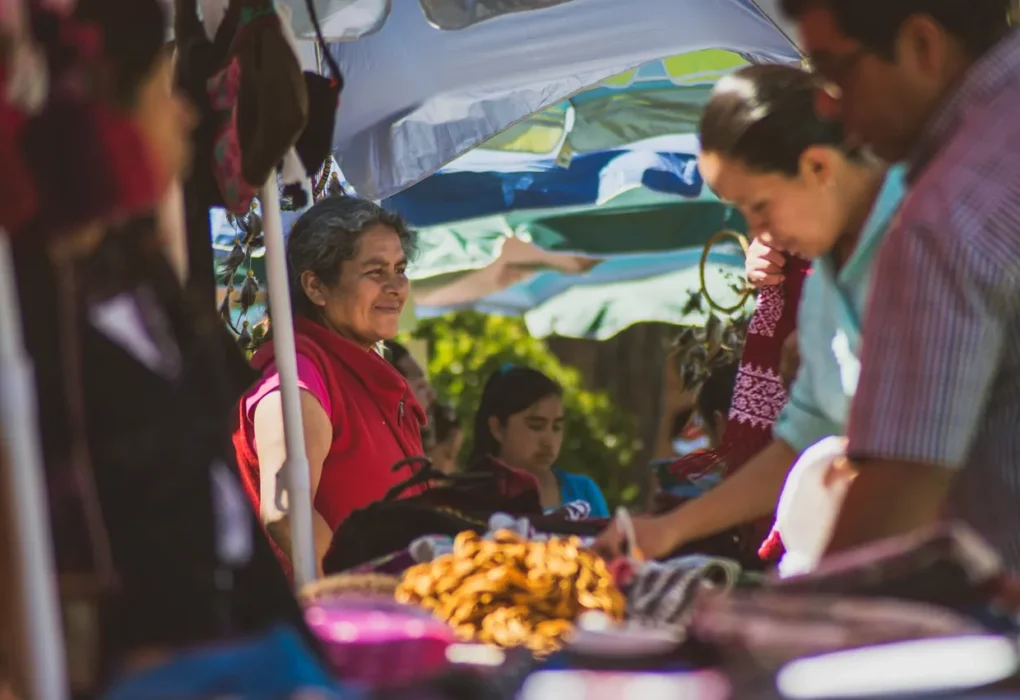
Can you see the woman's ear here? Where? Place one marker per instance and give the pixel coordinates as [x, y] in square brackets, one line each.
[817, 165]
[496, 428]
[313, 288]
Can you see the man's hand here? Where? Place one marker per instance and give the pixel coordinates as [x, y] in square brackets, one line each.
[763, 266]
[655, 537]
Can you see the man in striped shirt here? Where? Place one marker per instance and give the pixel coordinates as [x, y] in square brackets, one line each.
[935, 424]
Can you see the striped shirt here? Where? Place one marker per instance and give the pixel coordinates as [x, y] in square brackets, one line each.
[940, 359]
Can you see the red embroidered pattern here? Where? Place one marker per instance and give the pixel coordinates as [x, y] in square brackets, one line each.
[758, 396]
[224, 90]
[768, 311]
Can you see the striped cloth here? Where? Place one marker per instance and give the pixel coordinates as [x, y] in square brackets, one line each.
[940, 361]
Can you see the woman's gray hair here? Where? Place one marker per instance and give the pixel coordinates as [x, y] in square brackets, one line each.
[327, 234]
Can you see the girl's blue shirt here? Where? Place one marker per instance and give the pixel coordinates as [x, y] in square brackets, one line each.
[578, 487]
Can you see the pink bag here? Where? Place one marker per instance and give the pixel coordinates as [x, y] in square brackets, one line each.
[379, 645]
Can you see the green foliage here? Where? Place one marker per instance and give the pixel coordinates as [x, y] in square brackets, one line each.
[465, 348]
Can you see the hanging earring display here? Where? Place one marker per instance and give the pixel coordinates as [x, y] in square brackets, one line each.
[718, 237]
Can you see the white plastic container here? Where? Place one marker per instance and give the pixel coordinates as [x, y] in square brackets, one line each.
[808, 509]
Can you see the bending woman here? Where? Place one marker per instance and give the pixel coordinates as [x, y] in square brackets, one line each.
[803, 193]
[346, 260]
[520, 422]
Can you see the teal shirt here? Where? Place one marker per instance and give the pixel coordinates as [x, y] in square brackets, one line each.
[829, 322]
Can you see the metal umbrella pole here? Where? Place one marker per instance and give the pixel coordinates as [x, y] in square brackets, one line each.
[47, 672]
[294, 478]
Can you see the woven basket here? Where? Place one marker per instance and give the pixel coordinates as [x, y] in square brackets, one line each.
[340, 585]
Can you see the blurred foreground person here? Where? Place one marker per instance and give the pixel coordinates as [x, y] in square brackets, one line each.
[933, 431]
[136, 386]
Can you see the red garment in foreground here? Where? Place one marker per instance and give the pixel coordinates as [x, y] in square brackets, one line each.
[376, 423]
[758, 395]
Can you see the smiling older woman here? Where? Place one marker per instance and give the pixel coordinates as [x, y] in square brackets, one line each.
[346, 261]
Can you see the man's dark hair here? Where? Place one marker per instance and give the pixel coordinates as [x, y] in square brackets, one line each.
[764, 116]
[134, 36]
[977, 24]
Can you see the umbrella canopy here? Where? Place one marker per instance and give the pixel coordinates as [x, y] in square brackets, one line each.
[597, 307]
[544, 285]
[416, 98]
[664, 96]
[635, 222]
[346, 20]
[484, 182]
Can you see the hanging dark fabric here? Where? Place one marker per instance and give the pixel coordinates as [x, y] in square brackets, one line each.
[197, 58]
[316, 141]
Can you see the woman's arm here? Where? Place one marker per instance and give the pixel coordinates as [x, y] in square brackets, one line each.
[749, 494]
[272, 452]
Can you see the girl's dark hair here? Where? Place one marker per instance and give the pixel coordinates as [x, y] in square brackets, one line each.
[327, 234]
[509, 390]
[134, 36]
[716, 393]
[764, 116]
[443, 421]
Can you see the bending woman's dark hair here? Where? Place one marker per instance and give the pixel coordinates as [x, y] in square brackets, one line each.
[764, 116]
[508, 391]
[716, 393]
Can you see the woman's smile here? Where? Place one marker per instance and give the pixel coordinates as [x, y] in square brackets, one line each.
[390, 307]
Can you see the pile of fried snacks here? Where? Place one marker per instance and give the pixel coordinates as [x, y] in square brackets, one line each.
[511, 592]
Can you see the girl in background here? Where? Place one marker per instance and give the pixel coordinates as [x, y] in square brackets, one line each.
[520, 422]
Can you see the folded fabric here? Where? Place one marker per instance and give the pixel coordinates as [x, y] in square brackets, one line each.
[272, 667]
[573, 510]
[662, 593]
